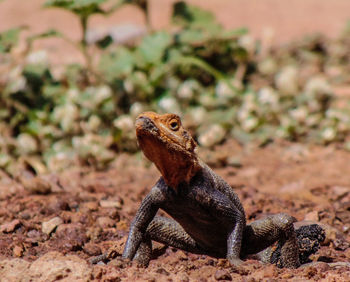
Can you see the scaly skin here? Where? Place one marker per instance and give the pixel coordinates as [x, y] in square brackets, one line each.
[207, 215]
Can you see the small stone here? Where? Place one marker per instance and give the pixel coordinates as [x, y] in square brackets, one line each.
[92, 249]
[339, 192]
[49, 226]
[92, 206]
[321, 266]
[341, 244]
[223, 263]
[183, 277]
[71, 236]
[105, 222]
[111, 203]
[161, 270]
[36, 185]
[18, 251]
[270, 271]
[222, 274]
[10, 226]
[313, 216]
[123, 225]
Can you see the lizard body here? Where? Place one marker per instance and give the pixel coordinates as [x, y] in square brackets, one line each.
[207, 215]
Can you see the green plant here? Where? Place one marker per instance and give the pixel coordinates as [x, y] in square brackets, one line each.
[215, 77]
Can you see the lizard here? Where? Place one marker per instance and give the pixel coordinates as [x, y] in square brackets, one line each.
[207, 216]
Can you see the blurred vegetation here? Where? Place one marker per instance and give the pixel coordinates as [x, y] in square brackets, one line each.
[223, 82]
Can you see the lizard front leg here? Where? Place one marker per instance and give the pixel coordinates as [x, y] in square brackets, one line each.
[145, 214]
[137, 238]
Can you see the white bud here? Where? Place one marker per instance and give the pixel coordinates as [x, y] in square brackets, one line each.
[170, 105]
[287, 80]
[26, 144]
[212, 136]
[124, 123]
[329, 134]
[38, 57]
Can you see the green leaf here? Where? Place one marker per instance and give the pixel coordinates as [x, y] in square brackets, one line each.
[9, 39]
[152, 47]
[118, 63]
[187, 15]
[83, 8]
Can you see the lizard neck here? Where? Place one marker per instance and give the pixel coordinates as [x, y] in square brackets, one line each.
[178, 170]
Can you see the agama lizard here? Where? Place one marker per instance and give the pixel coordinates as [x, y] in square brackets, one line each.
[207, 215]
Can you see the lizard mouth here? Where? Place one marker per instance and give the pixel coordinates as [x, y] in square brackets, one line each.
[145, 125]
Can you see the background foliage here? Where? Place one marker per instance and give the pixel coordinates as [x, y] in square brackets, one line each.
[223, 82]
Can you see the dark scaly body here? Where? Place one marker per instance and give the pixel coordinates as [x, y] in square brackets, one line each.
[207, 215]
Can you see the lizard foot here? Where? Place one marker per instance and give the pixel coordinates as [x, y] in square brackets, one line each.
[309, 238]
[235, 261]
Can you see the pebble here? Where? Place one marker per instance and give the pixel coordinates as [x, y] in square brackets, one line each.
[105, 222]
[36, 185]
[312, 216]
[222, 274]
[10, 226]
[18, 251]
[161, 270]
[49, 226]
[339, 192]
[91, 206]
[111, 203]
[92, 249]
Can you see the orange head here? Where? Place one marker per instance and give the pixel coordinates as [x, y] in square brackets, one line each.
[168, 145]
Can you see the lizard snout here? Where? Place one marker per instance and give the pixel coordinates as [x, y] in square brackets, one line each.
[144, 123]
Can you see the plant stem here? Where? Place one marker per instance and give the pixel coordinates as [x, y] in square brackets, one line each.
[83, 23]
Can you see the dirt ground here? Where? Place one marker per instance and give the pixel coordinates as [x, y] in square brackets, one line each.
[50, 226]
[82, 213]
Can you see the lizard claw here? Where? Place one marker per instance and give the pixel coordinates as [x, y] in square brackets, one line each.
[105, 257]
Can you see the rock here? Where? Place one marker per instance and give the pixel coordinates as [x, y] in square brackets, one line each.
[312, 216]
[339, 192]
[222, 274]
[71, 237]
[49, 226]
[92, 249]
[91, 206]
[320, 266]
[35, 236]
[14, 270]
[341, 244]
[18, 251]
[331, 233]
[58, 205]
[55, 266]
[161, 270]
[105, 222]
[10, 226]
[117, 203]
[270, 271]
[36, 185]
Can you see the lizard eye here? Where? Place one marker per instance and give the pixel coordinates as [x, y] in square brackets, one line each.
[174, 125]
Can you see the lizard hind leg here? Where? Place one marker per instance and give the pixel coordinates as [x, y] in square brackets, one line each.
[261, 234]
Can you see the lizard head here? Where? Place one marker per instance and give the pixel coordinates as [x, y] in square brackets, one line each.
[168, 145]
